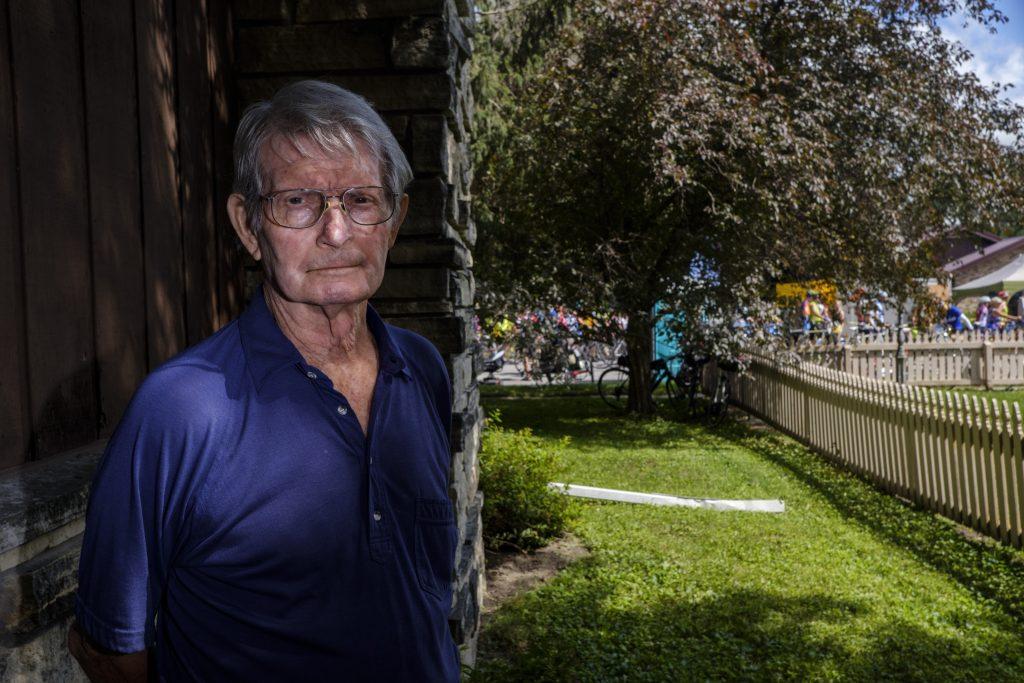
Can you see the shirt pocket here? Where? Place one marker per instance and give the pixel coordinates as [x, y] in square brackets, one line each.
[435, 545]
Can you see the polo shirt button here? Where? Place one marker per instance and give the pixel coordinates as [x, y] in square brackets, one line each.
[342, 410]
[311, 375]
[376, 515]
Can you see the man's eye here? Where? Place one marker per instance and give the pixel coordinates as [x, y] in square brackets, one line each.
[295, 200]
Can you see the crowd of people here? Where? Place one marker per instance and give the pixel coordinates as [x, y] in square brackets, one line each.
[994, 312]
[829, 316]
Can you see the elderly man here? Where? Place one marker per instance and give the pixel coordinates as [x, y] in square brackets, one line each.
[273, 505]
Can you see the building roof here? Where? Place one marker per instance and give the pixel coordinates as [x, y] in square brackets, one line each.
[999, 247]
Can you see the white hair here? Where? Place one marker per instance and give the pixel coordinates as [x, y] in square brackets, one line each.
[334, 119]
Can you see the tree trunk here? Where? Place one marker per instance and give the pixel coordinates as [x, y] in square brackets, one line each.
[639, 344]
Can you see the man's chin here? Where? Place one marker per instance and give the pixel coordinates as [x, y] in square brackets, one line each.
[327, 295]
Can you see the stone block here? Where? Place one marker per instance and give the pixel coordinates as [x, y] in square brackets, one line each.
[464, 617]
[431, 144]
[433, 252]
[460, 370]
[462, 287]
[464, 216]
[449, 334]
[399, 125]
[387, 92]
[398, 309]
[422, 43]
[415, 283]
[427, 200]
[41, 497]
[42, 657]
[40, 591]
[465, 419]
[453, 212]
[343, 46]
[458, 35]
[261, 10]
[332, 10]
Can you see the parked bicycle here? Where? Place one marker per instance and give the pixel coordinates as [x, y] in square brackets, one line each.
[685, 389]
[613, 384]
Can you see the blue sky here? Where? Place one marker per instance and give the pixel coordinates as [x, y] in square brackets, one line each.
[998, 57]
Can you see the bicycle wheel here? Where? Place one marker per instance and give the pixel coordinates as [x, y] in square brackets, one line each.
[675, 392]
[718, 402]
[613, 386]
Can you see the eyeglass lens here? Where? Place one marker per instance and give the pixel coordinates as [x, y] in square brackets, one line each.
[303, 208]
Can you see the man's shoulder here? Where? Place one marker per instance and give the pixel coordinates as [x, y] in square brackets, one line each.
[198, 376]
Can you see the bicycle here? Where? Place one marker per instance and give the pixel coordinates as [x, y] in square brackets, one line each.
[717, 403]
[613, 384]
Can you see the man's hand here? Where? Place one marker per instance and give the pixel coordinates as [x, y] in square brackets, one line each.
[105, 666]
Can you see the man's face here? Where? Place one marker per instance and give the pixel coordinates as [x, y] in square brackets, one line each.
[336, 261]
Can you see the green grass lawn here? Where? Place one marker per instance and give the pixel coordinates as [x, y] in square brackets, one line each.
[1010, 394]
[847, 584]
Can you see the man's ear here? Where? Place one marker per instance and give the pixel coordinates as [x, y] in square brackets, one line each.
[237, 214]
[403, 208]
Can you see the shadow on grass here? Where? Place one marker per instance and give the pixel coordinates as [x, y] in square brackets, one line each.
[986, 568]
[578, 630]
[592, 424]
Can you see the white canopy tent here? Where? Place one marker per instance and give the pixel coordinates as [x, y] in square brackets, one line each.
[1010, 278]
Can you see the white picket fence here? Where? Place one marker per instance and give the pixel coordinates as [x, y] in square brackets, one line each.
[968, 359]
[957, 455]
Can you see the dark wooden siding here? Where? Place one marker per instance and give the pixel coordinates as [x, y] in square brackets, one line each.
[115, 252]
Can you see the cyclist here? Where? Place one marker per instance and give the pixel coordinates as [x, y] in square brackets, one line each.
[817, 313]
[956, 320]
[999, 316]
[981, 316]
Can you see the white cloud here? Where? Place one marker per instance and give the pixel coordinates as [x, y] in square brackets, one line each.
[997, 58]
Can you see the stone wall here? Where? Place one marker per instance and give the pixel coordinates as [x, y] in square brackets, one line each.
[409, 58]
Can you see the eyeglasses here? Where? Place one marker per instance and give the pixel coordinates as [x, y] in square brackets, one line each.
[304, 207]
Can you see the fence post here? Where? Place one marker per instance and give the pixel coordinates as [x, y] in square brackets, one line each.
[986, 365]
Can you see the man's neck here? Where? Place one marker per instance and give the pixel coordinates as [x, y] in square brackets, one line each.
[325, 336]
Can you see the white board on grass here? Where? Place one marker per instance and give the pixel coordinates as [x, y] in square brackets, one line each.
[660, 499]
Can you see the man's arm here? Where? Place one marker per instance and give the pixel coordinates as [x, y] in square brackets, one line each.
[105, 666]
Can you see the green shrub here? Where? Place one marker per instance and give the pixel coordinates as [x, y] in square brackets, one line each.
[520, 510]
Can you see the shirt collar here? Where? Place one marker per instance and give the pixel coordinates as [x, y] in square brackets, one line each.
[267, 350]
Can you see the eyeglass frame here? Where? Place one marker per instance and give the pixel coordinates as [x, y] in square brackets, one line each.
[268, 213]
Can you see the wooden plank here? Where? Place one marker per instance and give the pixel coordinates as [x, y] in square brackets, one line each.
[14, 399]
[961, 454]
[1017, 478]
[108, 32]
[1003, 471]
[14, 427]
[161, 213]
[195, 154]
[229, 255]
[977, 500]
[54, 224]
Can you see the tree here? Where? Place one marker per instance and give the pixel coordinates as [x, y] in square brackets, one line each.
[687, 153]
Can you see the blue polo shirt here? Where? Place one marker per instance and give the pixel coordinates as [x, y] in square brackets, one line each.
[242, 524]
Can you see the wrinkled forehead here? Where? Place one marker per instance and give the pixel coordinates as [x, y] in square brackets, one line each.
[282, 152]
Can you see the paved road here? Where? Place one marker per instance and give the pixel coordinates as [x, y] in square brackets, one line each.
[508, 375]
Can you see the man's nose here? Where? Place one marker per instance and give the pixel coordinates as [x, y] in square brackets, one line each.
[336, 226]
